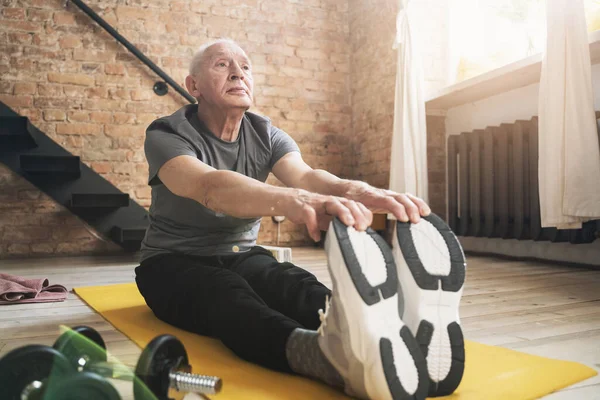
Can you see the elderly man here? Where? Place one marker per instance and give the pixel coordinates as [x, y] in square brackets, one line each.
[202, 271]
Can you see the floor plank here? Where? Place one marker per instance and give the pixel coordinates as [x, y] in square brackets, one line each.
[542, 309]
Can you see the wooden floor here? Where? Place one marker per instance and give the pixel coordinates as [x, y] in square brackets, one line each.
[537, 308]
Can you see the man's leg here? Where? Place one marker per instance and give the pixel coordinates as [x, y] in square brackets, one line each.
[284, 287]
[297, 294]
[211, 300]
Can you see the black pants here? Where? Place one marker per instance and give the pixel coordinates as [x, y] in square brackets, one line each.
[249, 300]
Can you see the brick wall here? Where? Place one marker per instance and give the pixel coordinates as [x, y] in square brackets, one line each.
[90, 95]
[373, 77]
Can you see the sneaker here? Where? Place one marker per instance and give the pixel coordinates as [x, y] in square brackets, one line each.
[362, 334]
[431, 274]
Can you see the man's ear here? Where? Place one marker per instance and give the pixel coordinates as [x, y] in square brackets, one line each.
[190, 84]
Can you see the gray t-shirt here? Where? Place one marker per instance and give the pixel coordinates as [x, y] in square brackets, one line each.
[184, 226]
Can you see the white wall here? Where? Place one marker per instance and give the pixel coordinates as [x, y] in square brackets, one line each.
[507, 107]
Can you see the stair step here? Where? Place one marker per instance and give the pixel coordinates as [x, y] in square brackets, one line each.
[99, 200]
[121, 235]
[58, 166]
[15, 134]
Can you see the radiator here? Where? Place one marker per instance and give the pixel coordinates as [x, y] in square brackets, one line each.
[493, 186]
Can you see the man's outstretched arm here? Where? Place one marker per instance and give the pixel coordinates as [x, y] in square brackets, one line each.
[292, 171]
[237, 195]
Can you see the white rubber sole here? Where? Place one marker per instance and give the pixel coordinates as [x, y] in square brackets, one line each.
[431, 272]
[364, 275]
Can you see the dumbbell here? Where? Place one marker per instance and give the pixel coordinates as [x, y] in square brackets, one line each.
[162, 365]
[36, 372]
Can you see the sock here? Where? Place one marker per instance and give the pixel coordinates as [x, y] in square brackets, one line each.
[306, 358]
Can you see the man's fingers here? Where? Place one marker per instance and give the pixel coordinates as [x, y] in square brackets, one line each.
[324, 222]
[335, 208]
[395, 207]
[411, 208]
[361, 221]
[366, 212]
[423, 207]
[310, 219]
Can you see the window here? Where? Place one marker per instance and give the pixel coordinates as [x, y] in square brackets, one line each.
[488, 34]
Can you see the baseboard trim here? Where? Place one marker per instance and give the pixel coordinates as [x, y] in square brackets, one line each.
[577, 254]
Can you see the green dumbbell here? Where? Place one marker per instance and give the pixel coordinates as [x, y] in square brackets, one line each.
[36, 372]
[162, 365]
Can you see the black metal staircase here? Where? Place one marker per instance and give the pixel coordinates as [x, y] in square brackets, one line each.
[62, 176]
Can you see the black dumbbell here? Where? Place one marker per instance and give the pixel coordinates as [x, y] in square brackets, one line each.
[162, 365]
[36, 372]
[82, 386]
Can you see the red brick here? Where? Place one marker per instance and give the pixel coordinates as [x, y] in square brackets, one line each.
[127, 14]
[64, 18]
[22, 26]
[13, 13]
[143, 193]
[114, 69]
[36, 15]
[74, 92]
[138, 95]
[28, 194]
[100, 117]
[78, 129]
[123, 118]
[26, 234]
[54, 115]
[42, 248]
[6, 87]
[123, 130]
[31, 113]
[53, 4]
[50, 90]
[296, 72]
[20, 37]
[93, 55]
[96, 93]
[69, 42]
[78, 116]
[118, 93]
[22, 88]
[72, 142]
[18, 249]
[101, 167]
[74, 79]
[16, 101]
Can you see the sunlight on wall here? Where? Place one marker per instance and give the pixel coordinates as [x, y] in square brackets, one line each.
[488, 34]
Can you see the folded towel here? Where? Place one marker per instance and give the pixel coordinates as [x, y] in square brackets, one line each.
[17, 289]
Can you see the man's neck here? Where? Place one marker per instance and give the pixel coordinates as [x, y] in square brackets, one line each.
[223, 124]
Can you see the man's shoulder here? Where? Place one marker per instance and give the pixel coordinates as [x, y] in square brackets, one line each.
[261, 124]
[169, 123]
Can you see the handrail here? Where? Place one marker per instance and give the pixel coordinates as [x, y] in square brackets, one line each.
[107, 27]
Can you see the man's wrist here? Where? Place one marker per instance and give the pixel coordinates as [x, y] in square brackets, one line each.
[354, 189]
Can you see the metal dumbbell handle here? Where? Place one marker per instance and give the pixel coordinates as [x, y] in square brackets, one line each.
[181, 381]
[187, 382]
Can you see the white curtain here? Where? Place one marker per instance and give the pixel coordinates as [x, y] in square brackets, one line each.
[408, 170]
[569, 154]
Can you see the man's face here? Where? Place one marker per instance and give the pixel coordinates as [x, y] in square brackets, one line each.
[225, 77]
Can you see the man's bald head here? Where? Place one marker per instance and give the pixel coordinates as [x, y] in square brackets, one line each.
[199, 55]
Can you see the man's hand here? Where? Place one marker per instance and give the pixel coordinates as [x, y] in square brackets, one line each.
[316, 211]
[405, 207]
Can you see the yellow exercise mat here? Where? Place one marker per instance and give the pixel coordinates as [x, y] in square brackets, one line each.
[490, 373]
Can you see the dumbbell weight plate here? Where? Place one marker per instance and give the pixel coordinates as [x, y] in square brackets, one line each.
[162, 354]
[21, 367]
[83, 386]
[81, 341]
